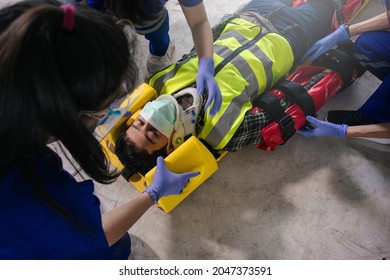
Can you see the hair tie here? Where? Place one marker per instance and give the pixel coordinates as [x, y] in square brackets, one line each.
[69, 15]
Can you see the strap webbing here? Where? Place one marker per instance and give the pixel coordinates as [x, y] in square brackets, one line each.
[271, 104]
[299, 95]
[339, 61]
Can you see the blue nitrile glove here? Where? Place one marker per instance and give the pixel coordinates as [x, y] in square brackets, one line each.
[206, 78]
[166, 182]
[324, 128]
[327, 43]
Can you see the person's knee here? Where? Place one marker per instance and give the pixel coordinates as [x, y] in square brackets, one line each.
[371, 50]
[370, 44]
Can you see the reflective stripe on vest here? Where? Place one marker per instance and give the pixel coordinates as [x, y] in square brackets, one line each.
[247, 63]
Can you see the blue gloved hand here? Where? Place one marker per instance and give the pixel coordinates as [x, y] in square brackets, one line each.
[166, 182]
[205, 78]
[324, 129]
[327, 43]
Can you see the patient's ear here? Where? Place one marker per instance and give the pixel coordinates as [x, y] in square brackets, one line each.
[170, 147]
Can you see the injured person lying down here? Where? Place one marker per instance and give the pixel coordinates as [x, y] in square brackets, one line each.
[165, 123]
[252, 54]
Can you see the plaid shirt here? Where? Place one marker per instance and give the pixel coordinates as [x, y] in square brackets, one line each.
[249, 131]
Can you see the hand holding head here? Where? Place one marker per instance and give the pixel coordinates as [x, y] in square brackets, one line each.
[166, 182]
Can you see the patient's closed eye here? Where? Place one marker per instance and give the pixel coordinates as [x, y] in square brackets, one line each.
[155, 131]
[138, 123]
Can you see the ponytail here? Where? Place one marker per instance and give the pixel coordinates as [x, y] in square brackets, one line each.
[50, 70]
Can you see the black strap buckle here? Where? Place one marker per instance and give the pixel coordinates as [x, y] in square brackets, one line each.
[286, 125]
[271, 104]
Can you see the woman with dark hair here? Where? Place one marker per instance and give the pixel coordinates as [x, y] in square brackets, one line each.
[61, 66]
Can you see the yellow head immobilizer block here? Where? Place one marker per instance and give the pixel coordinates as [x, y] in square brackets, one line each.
[191, 156]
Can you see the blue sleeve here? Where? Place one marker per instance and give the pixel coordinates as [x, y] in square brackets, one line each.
[96, 4]
[35, 231]
[189, 3]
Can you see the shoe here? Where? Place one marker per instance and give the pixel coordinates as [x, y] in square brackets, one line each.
[156, 63]
[349, 118]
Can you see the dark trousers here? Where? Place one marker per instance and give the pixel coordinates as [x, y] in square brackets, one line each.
[301, 26]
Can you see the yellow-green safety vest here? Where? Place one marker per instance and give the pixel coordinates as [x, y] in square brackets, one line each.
[248, 60]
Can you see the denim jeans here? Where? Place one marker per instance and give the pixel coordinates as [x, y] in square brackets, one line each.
[301, 26]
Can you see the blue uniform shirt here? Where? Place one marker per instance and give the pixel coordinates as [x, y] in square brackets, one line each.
[33, 230]
[98, 4]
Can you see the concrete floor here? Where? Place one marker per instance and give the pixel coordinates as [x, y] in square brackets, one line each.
[318, 198]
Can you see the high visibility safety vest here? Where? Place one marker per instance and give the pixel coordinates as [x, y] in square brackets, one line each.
[248, 60]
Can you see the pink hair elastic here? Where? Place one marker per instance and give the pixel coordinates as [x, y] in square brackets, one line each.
[69, 15]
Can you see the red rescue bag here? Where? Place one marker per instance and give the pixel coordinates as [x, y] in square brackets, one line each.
[317, 83]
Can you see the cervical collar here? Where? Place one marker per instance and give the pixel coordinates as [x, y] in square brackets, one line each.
[185, 119]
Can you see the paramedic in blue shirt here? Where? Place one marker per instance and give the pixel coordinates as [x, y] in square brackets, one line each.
[372, 49]
[61, 66]
[151, 19]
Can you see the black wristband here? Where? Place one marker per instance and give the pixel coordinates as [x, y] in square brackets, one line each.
[347, 28]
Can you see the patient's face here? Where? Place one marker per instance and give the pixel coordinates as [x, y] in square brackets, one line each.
[145, 137]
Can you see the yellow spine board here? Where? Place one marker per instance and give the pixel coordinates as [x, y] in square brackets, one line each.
[191, 156]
